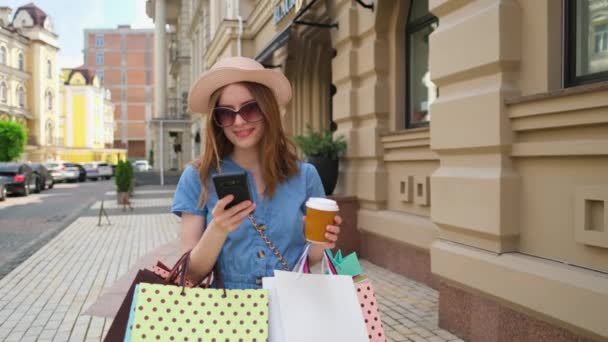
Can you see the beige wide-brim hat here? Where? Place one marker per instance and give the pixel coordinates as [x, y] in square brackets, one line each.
[233, 70]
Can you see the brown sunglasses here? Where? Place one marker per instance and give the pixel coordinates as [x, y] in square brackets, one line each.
[250, 112]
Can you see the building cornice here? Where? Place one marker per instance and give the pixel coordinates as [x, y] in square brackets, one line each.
[14, 35]
[14, 72]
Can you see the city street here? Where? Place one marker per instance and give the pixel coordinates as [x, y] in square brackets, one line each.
[27, 223]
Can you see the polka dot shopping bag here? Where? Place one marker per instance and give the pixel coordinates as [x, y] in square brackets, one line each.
[171, 313]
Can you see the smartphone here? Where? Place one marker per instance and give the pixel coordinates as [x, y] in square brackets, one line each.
[235, 184]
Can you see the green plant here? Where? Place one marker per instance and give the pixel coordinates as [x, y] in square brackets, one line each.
[122, 177]
[151, 158]
[316, 144]
[13, 138]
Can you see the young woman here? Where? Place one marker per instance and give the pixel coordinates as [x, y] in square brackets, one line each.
[241, 100]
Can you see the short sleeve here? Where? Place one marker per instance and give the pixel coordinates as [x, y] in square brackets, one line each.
[314, 186]
[187, 194]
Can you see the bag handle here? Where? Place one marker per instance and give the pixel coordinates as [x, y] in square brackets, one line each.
[181, 268]
[303, 264]
[274, 250]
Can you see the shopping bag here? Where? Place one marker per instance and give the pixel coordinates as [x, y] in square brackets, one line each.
[131, 316]
[314, 307]
[119, 324]
[165, 312]
[275, 331]
[350, 265]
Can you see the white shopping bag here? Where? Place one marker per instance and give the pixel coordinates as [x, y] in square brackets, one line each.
[275, 330]
[316, 307]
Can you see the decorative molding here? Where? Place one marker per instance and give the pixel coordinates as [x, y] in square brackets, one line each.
[560, 148]
[408, 145]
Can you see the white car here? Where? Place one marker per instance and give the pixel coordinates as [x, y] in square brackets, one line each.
[141, 166]
[63, 171]
[97, 170]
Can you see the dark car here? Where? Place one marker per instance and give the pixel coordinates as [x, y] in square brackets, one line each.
[82, 173]
[2, 191]
[19, 178]
[45, 180]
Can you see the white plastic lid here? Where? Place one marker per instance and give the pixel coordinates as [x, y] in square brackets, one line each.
[323, 204]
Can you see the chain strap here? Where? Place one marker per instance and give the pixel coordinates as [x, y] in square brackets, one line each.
[268, 243]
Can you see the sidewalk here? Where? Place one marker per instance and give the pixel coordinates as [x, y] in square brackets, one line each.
[43, 298]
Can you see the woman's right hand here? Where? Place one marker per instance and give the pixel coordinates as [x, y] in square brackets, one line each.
[228, 220]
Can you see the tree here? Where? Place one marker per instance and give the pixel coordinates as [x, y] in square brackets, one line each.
[13, 138]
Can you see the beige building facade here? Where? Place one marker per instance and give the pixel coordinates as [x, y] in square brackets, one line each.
[498, 199]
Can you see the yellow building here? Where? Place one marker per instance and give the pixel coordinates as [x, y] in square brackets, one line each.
[87, 119]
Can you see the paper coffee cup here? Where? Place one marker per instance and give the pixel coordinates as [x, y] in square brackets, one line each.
[320, 213]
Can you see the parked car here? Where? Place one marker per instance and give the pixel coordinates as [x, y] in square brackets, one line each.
[19, 178]
[45, 180]
[2, 190]
[97, 170]
[56, 170]
[65, 171]
[82, 172]
[141, 166]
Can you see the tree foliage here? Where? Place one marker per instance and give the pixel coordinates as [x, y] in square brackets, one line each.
[123, 176]
[13, 138]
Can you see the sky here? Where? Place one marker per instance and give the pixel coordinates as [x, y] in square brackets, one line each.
[71, 17]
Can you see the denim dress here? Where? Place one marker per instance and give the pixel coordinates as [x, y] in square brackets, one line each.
[245, 258]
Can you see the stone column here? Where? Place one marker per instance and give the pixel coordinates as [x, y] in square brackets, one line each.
[160, 59]
[474, 60]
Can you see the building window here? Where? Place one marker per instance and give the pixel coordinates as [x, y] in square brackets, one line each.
[49, 69]
[586, 59]
[21, 97]
[100, 75]
[21, 62]
[2, 55]
[99, 58]
[421, 92]
[49, 100]
[99, 40]
[3, 94]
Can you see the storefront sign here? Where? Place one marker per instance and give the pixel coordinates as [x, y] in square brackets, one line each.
[281, 10]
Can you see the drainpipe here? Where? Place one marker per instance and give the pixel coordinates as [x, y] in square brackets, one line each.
[240, 34]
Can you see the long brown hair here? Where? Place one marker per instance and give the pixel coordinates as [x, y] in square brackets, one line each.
[279, 152]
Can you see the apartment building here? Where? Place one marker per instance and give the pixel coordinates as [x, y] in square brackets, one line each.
[123, 60]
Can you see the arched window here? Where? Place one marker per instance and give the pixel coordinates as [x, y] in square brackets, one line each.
[49, 69]
[21, 62]
[49, 100]
[21, 97]
[3, 97]
[2, 55]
